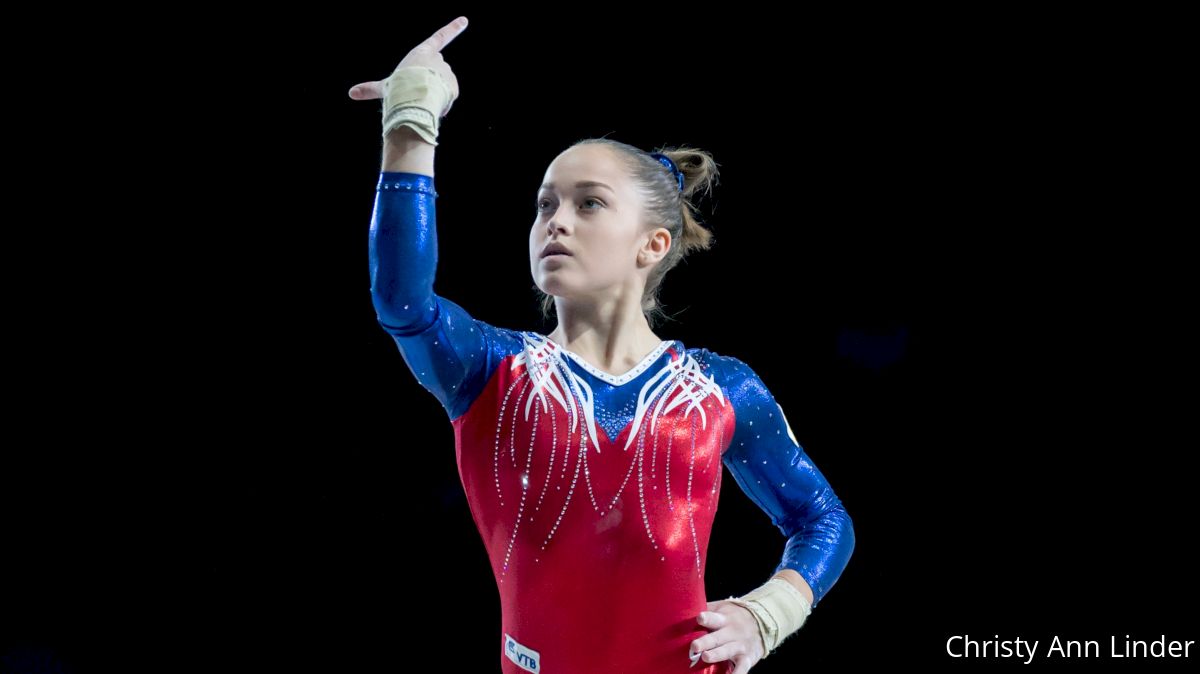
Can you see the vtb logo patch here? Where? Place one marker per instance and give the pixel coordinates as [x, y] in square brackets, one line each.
[526, 658]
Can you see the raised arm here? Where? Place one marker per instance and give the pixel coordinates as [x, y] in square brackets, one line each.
[443, 346]
[774, 470]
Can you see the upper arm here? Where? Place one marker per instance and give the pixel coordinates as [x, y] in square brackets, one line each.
[452, 356]
[776, 473]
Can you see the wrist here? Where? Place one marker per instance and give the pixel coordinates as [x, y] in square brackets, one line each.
[405, 150]
[405, 137]
[778, 607]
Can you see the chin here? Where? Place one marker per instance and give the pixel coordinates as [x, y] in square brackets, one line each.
[552, 284]
[550, 287]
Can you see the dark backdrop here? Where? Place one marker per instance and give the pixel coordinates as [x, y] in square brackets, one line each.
[933, 245]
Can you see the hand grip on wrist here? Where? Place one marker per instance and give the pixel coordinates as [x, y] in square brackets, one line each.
[778, 607]
[415, 96]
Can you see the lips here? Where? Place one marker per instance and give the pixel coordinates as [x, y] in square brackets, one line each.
[555, 248]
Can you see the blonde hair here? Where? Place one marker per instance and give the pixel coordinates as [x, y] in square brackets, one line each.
[664, 206]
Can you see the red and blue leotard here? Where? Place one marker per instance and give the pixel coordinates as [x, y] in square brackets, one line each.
[594, 493]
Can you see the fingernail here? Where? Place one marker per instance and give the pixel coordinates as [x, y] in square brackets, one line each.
[694, 658]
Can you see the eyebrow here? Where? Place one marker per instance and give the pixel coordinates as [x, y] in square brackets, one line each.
[582, 184]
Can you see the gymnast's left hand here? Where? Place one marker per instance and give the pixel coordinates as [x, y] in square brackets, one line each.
[733, 636]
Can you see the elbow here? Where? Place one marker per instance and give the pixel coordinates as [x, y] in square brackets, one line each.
[397, 310]
[830, 522]
[837, 529]
[404, 302]
[847, 536]
[401, 293]
[403, 314]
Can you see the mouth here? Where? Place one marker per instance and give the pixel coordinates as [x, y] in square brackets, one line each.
[555, 249]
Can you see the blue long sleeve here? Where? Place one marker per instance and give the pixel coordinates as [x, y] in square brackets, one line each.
[444, 347]
[774, 470]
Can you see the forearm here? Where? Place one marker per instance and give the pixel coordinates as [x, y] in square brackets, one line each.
[405, 151]
[403, 251]
[819, 546]
[798, 581]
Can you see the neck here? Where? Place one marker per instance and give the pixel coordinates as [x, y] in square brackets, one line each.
[613, 337]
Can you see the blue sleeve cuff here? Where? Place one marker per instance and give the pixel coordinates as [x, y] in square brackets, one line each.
[400, 181]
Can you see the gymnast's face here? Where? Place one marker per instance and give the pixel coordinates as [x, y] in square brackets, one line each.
[600, 224]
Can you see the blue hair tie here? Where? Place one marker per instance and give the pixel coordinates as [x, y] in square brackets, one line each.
[666, 161]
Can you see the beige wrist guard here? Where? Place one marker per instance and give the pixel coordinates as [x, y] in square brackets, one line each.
[415, 96]
[778, 607]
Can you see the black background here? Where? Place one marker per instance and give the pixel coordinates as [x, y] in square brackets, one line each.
[946, 243]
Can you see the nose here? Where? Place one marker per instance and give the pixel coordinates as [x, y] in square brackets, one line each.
[554, 225]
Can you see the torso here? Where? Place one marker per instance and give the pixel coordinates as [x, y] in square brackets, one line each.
[594, 495]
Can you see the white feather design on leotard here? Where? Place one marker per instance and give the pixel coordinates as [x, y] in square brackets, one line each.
[551, 375]
[682, 378]
[687, 383]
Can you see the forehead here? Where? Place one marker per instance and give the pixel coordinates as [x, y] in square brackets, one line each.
[584, 163]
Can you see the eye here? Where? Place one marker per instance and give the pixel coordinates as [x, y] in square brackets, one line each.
[541, 202]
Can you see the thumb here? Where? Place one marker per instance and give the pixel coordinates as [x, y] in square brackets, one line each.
[366, 91]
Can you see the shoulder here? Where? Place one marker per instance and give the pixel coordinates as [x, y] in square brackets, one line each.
[728, 371]
[460, 323]
[752, 399]
[760, 420]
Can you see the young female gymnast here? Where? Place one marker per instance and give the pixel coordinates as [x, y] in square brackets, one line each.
[591, 457]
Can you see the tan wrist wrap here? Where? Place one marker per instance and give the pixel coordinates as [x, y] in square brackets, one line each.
[415, 96]
[778, 607]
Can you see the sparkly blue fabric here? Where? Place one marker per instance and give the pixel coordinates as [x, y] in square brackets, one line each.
[450, 353]
[775, 471]
[612, 418]
[453, 356]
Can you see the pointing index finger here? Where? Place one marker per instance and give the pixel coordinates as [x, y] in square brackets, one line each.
[445, 34]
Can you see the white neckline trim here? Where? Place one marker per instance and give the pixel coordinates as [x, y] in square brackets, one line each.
[615, 380]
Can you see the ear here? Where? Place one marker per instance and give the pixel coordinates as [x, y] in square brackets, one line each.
[656, 247]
